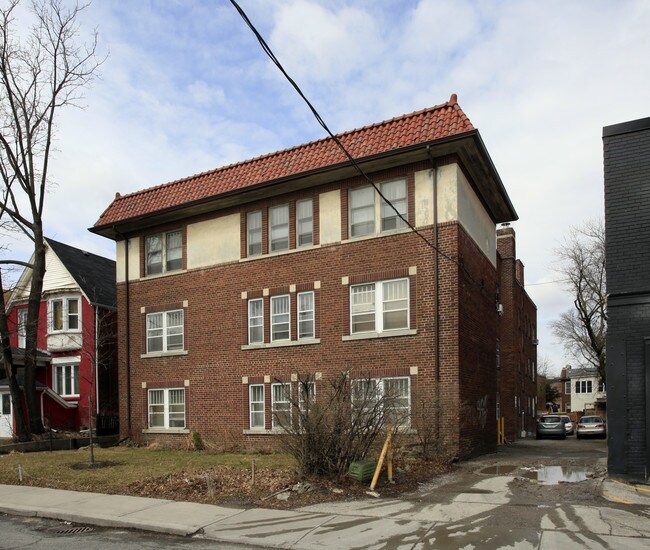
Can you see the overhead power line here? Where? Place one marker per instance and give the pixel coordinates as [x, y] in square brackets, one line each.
[336, 140]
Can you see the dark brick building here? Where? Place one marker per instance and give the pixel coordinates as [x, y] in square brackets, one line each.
[627, 231]
[234, 283]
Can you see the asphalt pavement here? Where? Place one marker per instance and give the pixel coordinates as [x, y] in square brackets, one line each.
[466, 509]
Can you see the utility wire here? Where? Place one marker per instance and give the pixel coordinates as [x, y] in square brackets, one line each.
[336, 140]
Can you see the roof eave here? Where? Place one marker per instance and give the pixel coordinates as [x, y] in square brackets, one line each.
[477, 161]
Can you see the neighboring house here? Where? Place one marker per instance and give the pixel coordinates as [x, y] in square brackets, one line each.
[587, 391]
[235, 282]
[77, 324]
[562, 384]
[627, 232]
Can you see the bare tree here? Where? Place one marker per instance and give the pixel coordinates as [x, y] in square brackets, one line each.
[581, 261]
[38, 76]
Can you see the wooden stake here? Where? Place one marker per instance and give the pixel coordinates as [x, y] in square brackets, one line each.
[387, 449]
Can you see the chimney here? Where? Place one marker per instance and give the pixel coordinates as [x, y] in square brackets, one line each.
[506, 242]
[519, 272]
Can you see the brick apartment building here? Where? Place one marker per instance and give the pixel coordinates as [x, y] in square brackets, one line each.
[234, 282]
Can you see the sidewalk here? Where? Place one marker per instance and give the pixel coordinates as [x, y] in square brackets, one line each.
[482, 518]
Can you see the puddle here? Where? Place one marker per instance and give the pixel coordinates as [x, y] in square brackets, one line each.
[548, 475]
[552, 475]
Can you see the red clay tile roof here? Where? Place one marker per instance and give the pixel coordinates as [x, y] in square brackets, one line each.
[418, 127]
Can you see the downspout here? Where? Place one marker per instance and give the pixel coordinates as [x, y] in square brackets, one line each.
[436, 277]
[127, 339]
[96, 363]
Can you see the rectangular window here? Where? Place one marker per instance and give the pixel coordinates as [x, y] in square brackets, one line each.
[304, 222]
[65, 314]
[66, 380]
[584, 386]
[256, 321]
[395, 192]
[379, 307]
[254, 233]
[601, 386]
[567, 388]
[165, 331]
[256, 406]
[22, 327]
[279, 228]
[306, 396]
[280, 318]
[362, 211]
[388, 396]
[167, 408]
[281, 405]
[163, 252]
[305, 315]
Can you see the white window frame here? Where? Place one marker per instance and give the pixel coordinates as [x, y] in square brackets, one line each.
[261, 411]
[275, 403]
[166, 412]
[380, 208]
[284, 227]
[306, 316]
[164, 252]
[380, 391]
[165, 329]
[379, 291]
[66, 316]
[274, 317]
[567, 388]
[301, 398]
[256, 317]
[69, 379]
[300, 222]
[253, 234]
[21, 320]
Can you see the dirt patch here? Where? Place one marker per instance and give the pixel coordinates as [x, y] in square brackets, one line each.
[279, 488]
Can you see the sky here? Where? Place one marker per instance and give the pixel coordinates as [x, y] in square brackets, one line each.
[186, 88]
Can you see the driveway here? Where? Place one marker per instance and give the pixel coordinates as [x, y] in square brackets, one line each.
[532, 494]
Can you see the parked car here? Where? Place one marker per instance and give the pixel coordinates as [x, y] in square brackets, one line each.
[568, 425]
[550, 425]
[591, 425]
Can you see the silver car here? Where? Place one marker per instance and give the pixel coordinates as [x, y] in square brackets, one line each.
[550, 425]
[591, 426]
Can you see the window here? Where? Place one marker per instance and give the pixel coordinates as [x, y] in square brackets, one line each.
[362, 211]
[164, 252]
[393, 394]
[279, 228]
[395, 192]
[281, 405]
[305, 315]
[304, 222]
[306, 396]
[167, 408]
[22, 327]
[567, 388]
[64, 314]
[584, 386]
[165, 331]
[256, 321]
[601, 386]
[379, 307]
[280, 318]
[370, 215]
[254, 233]
[66, 380]
[256, 406]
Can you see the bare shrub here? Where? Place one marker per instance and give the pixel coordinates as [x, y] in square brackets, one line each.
[326, 433]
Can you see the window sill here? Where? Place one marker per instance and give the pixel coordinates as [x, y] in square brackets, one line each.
[372, 335]
[288, 343]
[280, 253]
[166, 431]
[399, 231]
[164, 274]
[163, 354]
